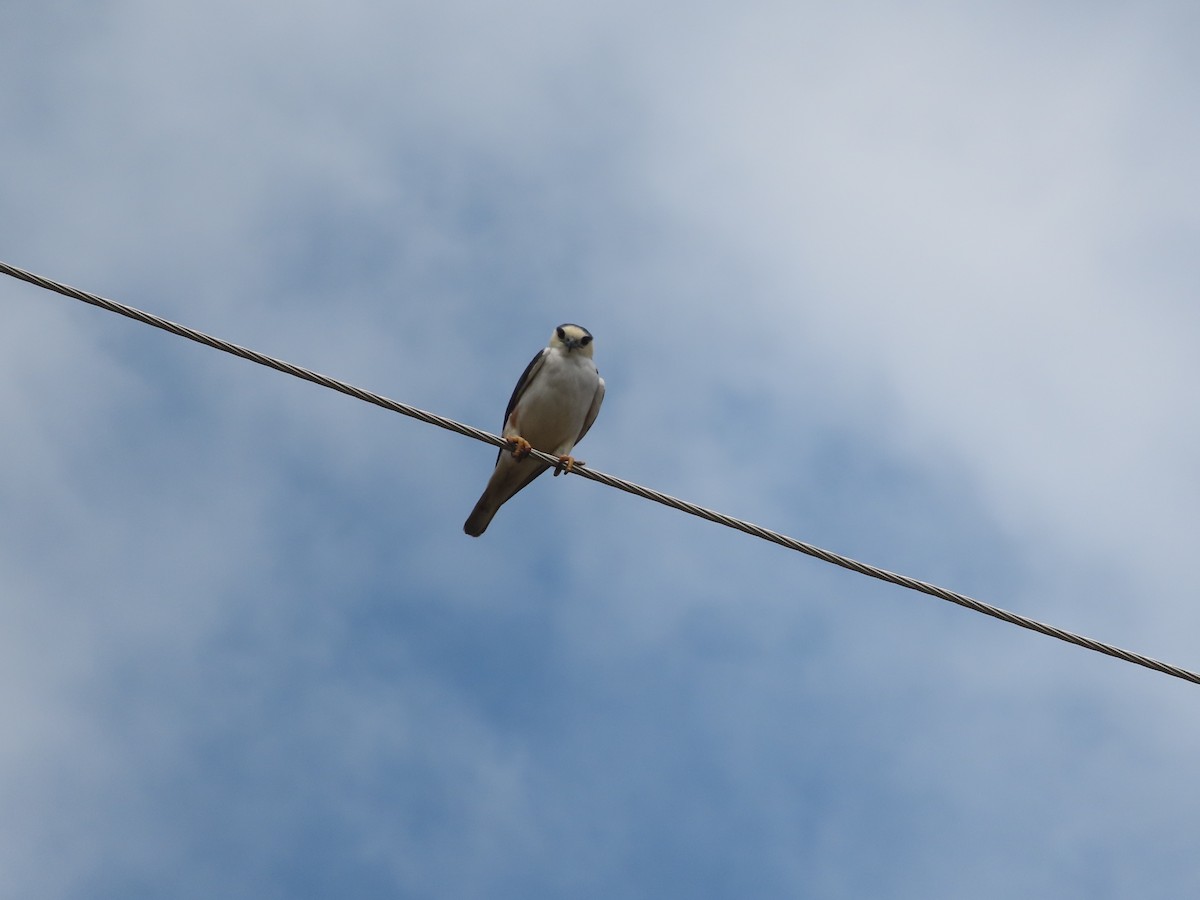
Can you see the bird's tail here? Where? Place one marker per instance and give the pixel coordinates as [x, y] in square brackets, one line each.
[481, 516]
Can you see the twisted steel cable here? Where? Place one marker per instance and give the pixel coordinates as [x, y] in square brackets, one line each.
[610, 480]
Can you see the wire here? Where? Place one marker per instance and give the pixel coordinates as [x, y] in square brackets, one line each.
[611, 481]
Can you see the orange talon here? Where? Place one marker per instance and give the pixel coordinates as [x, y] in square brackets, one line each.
[520, 447]
[567, 464]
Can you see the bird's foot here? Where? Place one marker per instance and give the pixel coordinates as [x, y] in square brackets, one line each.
[519, 446]
[567, 464]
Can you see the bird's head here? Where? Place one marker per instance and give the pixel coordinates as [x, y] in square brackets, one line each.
[572, 339]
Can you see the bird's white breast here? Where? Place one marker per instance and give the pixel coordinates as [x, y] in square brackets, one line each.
[551, 412]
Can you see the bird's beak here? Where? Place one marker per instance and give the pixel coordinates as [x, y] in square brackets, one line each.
[572, 343]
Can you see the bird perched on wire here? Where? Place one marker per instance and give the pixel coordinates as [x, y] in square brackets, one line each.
[554, 404]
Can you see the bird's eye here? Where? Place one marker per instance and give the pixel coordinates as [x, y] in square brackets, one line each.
[585, 340]
[562, 335]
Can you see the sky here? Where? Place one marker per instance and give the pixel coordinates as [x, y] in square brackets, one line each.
[915, 284]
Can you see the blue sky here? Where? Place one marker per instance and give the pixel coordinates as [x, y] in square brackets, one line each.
[915, 285]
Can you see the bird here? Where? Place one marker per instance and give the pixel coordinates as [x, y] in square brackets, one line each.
[552, 407]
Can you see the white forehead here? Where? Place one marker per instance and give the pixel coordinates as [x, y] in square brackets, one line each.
[571, 331]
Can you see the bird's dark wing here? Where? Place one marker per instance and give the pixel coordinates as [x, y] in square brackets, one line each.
[593, 411]
[527, 376]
